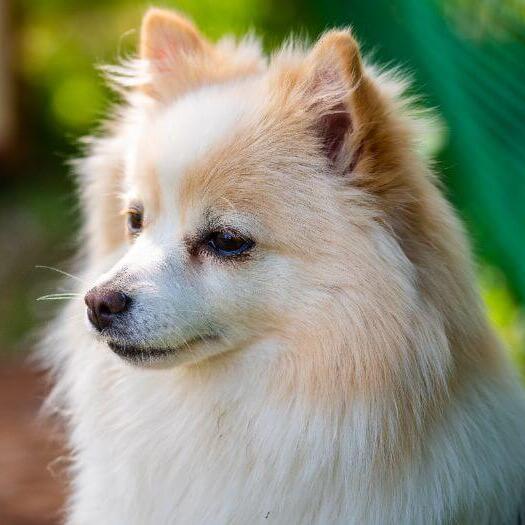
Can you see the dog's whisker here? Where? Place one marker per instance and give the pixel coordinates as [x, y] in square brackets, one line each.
[56, 297]
[67, 292]
[62, 272]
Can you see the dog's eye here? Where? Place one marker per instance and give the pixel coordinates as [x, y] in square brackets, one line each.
[228, 244]
[135, 221]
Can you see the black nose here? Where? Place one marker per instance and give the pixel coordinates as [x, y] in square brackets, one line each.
[103, 304]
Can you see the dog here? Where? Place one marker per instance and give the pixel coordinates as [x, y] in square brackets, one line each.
[277, 319]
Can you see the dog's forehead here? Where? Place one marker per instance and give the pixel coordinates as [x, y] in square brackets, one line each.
[176, 144]
[220, 148]
[196, 124]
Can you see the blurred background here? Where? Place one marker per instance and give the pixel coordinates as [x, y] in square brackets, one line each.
[466, 59]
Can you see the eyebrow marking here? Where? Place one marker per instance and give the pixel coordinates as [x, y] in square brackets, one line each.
[135, 205]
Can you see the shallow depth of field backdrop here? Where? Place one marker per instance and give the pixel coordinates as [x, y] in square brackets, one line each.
[466, 59]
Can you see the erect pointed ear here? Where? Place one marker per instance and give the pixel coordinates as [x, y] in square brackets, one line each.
[166, 35]
[171, 44]
[342, 96]
[179, 59]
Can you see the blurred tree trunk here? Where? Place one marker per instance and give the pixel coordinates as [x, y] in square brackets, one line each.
[8, 124]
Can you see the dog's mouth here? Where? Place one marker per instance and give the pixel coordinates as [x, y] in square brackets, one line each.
[142, 355]
[139, 354]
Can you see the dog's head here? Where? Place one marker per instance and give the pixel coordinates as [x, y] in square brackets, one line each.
[252, 196]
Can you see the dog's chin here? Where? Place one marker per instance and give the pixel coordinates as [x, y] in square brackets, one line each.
[162, 357]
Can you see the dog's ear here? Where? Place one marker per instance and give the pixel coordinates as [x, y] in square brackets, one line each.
[171, 46]
[333, 73]
[350, 115]
[180, 59]
[166, 35]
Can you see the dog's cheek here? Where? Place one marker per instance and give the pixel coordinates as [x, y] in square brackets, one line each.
[251, 299]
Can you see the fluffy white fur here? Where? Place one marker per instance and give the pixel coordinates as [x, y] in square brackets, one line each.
[355, 380]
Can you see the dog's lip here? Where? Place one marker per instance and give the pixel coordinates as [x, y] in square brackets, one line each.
[129, 351]
[134, 352]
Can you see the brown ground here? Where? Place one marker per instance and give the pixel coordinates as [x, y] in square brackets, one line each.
[31, 471]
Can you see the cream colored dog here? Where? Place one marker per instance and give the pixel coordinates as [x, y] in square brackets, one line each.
[283, 323]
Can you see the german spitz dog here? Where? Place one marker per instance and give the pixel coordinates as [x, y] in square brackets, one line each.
[277, 320]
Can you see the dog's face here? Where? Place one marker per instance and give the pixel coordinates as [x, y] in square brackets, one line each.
[214, 208]
[234, 199]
